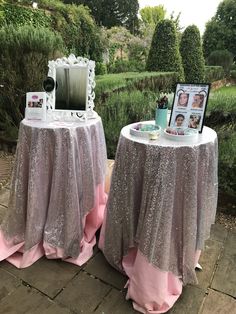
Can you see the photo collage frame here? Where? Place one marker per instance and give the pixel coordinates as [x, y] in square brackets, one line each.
[189, 106]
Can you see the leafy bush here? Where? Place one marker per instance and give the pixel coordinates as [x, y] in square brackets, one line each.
[192, 55]
[233, 74]
[122, 109]
[221, 116]
[153, 81]
[19, 15]
[100, 68]
[121, 66]
[80, 33]
[223, 58]
[214, 73]
[164, 52]
[24, 55]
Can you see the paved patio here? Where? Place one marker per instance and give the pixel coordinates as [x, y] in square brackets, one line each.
[56, 287]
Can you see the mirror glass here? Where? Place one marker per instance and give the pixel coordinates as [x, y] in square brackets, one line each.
[70, 88]
[71, 92]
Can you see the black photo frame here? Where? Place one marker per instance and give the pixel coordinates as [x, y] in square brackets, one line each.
[189, 105]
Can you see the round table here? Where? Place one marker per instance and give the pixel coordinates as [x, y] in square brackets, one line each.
[160, 208]
[57, 196]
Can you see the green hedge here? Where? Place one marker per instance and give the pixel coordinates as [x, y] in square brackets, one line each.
[214, 73]
[123, 108]
[192, 55]
[80, 33]
[164, 52]
[221, 116]
[153, 81]
[24, 55]
[19, 15]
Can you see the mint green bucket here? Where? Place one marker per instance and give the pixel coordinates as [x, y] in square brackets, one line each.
[161, 117]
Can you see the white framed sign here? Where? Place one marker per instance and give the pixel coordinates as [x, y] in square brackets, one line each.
[189, 106]
[36, 106]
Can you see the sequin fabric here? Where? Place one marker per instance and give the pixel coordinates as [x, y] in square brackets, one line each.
[57, 169]
[162, 201]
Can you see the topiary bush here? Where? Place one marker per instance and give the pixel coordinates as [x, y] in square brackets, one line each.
[214, 73]
[164, 51]
[233, 74]
[24, 55]
[192, 55]
[222, 58]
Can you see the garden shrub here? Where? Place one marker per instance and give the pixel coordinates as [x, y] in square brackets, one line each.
[157, 82]
[100, 68]
[192, 55]
[214, 73]
[80, 33]
[124, 108]
[19, 15]
[223, 58]
[164, 51]
[121, 66]
[24, 55]
[233, 74]
[221, 116]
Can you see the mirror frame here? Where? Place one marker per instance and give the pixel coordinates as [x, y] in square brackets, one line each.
[72, 62]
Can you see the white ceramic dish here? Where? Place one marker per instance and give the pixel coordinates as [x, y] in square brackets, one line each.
[145, 131]
[190, 135]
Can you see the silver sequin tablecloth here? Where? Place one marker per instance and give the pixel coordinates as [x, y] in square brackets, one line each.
[59, 171]
[162, 200]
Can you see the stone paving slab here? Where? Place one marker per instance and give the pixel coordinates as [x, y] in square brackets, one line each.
[47, 276]
[53, 308]
[218, 233]
[24, 300]
[208, 261]
[115, 303]
[189, 302]
[6, 163]
[3, 210]
[218, 303]
[99, 267]
[8, 284]
[83, 294]
[230, 244]
[225, 277]
[4, 197]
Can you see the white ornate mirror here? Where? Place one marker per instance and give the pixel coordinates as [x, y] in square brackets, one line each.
[70, 88]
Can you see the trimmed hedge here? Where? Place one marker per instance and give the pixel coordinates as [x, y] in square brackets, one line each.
[221, 116]
[164, 52]
[19, 16]
[75, 24]
[214, 73]
[192, 55]
[153, 81]
[123, 108]
[24, 55]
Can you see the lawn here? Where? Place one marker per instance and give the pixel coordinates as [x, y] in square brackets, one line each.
[223, 99]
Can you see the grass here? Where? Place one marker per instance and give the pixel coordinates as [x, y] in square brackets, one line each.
[223, 99]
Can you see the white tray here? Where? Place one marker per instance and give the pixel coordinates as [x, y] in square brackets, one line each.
[151, 134]
[191, 135]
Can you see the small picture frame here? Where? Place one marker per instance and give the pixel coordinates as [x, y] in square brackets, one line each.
[189, 105]
[36, 106]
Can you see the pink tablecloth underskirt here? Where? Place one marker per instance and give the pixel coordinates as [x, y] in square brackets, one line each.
[16, 255]
[151, 289]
